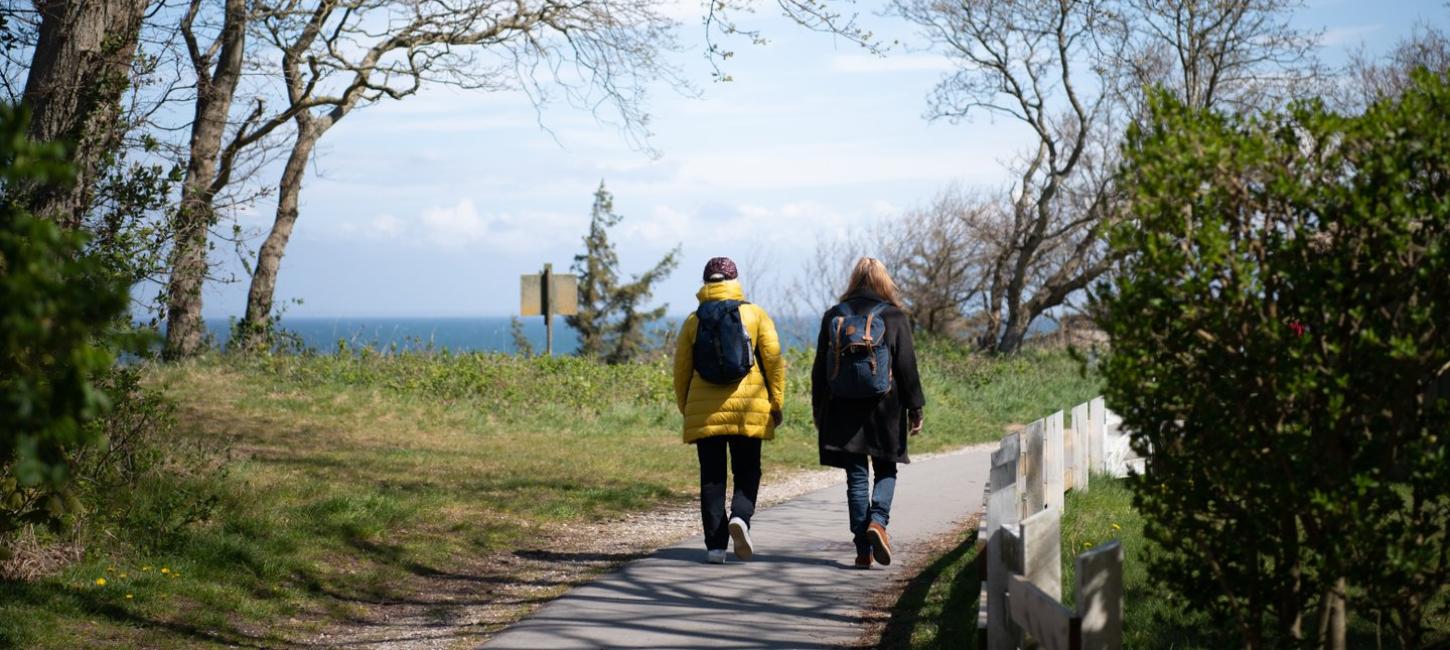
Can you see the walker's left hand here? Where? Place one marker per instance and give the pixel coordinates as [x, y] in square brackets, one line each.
[777, 417]
[915, 418]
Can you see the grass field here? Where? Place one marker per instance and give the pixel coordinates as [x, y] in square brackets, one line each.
[308, 488]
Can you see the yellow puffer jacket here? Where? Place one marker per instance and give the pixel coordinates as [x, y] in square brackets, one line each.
[740, 409]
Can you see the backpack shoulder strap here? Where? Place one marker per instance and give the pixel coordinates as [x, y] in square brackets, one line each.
[879, 307]
[845, 308]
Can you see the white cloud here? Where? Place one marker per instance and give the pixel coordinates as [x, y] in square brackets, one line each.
[788, 224]
[870, 63]
[836, 165]
[689, 12]
[453, 226]
[450, 123]
[883, 208]
[460, 225]
[1347, 35]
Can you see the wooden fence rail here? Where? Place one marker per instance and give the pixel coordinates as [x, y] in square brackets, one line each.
[1020, 536]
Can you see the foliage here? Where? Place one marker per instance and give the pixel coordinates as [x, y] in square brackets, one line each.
[522, 345]
[611, 322]
[122, 224]
[1280, 343]
[56, 309]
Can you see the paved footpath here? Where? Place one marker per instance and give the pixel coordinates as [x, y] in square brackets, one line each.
[798, 592]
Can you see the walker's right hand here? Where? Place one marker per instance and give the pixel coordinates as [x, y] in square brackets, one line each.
[777, 417]
[915, 418]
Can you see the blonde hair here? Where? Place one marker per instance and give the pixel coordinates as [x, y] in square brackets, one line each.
[870, 275]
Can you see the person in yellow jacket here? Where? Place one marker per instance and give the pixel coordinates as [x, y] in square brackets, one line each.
[734, 411]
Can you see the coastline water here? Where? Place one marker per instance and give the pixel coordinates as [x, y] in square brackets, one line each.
[468, 333]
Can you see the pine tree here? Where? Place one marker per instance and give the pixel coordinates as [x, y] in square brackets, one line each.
[596, 268]
[630, 338]
[522, 345]
[610, 323]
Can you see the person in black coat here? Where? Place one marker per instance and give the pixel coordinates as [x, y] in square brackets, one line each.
[852, 430]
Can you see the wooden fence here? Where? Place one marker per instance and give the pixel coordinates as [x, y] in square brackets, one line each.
[1020, 541]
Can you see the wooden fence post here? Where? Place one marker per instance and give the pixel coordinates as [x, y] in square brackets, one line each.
[1003, 508]
[1007, 557]
[1043, 619]
[1030, 551]
[1078, 458]
[1042, 551]
[1097, 420]
[1099, 578]
[1029, 468]
[1002, 501]
[1052, 465]
[1022, 589]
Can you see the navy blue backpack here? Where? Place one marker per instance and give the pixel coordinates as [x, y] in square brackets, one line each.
[859, 364]
[723, 352]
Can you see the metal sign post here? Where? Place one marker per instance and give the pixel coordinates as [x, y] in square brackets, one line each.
[545, 294]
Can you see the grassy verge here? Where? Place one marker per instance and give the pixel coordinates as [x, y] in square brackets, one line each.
[938, 609]
[334, 483]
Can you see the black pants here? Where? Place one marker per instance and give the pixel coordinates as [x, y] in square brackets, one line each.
[745, 461]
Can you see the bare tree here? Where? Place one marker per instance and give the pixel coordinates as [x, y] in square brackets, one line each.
[208, 169]
[938, 255]
[819, 283]
[1371, 79]
[340, 55]
[817, 15]
[19, 26]
[1030, 61]
[1074, 72]
[1240, 55]
[78, 71]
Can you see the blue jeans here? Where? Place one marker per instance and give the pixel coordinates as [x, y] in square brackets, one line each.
[867, 505]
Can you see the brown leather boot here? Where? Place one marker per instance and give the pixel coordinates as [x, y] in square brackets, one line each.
[880, 543]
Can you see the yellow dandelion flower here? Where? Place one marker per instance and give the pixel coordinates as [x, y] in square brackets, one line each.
[123, 575]
[165, 570]
[1087, 544]
[100, 582]
[129, 596]
[146, 568]
[1117, 527]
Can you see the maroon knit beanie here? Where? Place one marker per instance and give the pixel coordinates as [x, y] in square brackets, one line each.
[720, 268]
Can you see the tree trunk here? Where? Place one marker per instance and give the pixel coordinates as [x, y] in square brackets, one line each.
[255, 326]
[1014, 332]
[80, 68]
[193, 219]
[1333, 628]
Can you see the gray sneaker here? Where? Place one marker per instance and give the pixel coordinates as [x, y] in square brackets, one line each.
[715, 556]
[740, 532]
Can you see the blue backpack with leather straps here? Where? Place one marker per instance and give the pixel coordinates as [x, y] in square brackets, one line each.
[859, 361]
[723, 351]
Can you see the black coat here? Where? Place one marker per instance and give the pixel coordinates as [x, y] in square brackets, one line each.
[875, 427]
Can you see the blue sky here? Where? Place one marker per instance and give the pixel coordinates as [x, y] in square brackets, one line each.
[433, 206]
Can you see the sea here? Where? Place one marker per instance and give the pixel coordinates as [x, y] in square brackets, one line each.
[455, 334]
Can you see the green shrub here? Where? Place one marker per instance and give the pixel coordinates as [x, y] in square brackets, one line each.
[1281, 338]
[57, 306]
[500, 381]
